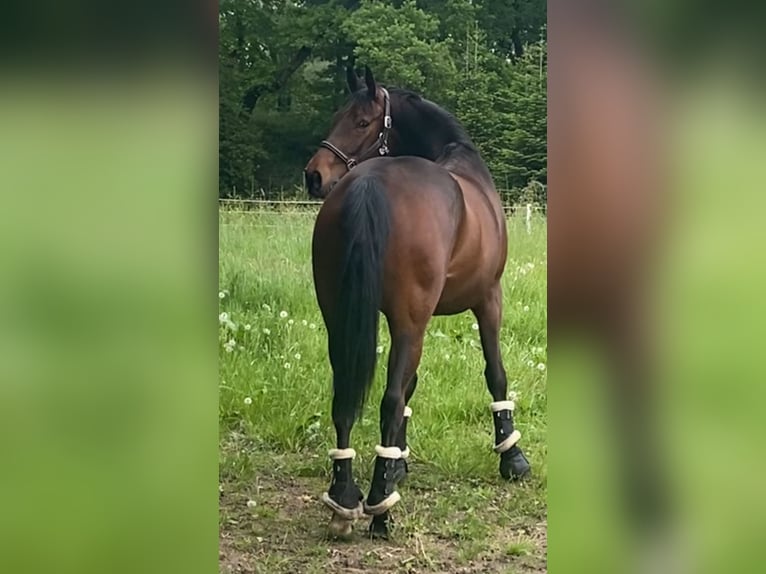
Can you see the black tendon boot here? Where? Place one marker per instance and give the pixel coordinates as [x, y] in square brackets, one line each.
[513, 463]
[383, 494]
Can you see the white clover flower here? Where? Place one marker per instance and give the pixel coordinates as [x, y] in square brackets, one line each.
[513, 395]
[266, 331]
[223, 317]
[312, 326]
[248, 327]
[530, 363]
[379, 350]
[526, 308]
[252, 504]
[304, 322]
[297, 356]
[475, 326]
[283, 314]
[287, 365]
[266, 307]
[446, 356]
[540, 366]
[290, 322]
[248, 401]
[221, 295]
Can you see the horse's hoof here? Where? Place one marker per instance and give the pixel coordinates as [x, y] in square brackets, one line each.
[514, 466]
[379, 527]
[340, 527]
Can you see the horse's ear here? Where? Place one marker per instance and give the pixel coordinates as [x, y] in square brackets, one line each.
[370, 81]
[352, 79]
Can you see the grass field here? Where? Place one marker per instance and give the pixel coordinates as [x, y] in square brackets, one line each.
[456, 513]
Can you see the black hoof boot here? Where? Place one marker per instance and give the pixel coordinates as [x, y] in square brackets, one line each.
[346, 494]
[514, 465]
[380, 527]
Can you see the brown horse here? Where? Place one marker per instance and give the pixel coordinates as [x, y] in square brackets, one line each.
[412, 226]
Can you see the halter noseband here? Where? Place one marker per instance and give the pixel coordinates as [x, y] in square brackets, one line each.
[381, 143]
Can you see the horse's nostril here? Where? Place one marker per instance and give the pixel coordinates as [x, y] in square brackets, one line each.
[313, 181]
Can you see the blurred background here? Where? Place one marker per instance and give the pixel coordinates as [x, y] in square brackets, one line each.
[656, 282]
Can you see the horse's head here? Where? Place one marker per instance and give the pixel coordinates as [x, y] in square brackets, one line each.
[359, 131]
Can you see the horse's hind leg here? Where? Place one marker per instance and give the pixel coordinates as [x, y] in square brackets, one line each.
[390, 463]
[401, 441]
[513, 463]
[344, 496]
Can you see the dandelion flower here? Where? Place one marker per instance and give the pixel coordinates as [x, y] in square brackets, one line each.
[252, 504]
[475, 326]
[290, 322]
[379, 350]
[287, 365]
[312, 326]
[266, 331]
[446, 356]
[304, 322]
[221, 295]
[223, 317]
[297, 356]
[530, 363]
[540, 366]
[283, 314]
[266, 307]
[248, 327]
[248, 401]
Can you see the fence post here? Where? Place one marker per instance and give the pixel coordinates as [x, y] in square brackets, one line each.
[529, 218]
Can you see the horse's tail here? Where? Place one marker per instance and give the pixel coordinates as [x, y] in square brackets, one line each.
[365, 225]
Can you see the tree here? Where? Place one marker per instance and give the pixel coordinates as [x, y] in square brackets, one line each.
[282, 75]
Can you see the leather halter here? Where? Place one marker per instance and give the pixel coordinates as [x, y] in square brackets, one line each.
[380, 145]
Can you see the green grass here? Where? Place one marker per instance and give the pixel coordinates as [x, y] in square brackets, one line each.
[275, 424]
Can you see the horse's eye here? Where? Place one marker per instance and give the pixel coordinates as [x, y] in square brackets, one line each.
[363, 124]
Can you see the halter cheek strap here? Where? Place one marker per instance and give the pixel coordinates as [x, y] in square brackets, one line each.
[381, 144]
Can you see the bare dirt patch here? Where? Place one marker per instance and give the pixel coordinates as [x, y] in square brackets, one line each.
[284, 530]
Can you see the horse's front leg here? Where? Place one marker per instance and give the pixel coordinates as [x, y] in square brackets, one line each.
[513, 463]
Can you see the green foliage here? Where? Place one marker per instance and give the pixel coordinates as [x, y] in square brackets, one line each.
[282, 75]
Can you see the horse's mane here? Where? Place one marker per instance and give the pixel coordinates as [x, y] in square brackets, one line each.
[455, 150]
